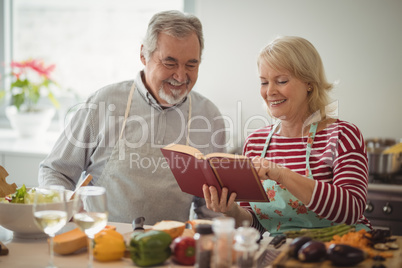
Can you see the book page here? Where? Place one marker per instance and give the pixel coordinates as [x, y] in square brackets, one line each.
[185, 149]
[226, 155]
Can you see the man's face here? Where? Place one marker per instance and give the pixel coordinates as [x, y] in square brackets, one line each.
[172, 70]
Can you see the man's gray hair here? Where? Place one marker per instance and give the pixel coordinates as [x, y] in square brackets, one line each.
[173, 23]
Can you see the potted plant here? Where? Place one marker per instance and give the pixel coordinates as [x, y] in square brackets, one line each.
[30, 81]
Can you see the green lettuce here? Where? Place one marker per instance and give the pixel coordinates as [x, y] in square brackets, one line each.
[19, 195]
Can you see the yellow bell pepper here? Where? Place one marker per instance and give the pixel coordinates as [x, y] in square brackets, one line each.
[109, 245]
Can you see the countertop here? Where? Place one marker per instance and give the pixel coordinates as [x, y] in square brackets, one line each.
[35, 252]
[394, 188]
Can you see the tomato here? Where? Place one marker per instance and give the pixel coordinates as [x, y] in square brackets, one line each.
[183, 250]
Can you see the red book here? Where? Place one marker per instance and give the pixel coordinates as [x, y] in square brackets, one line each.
[192, 170]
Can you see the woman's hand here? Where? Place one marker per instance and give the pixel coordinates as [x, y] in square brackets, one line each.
[267, 169]
[218, 204]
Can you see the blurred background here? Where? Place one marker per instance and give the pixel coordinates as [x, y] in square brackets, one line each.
[97, 42]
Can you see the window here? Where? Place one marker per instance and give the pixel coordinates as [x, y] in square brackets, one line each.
[92, 43]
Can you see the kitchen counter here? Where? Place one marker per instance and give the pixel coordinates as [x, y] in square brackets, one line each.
[391, 188]
[34, 253]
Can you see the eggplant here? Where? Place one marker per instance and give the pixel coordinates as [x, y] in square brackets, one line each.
[296, 244]
[312, 251]
[345, 255]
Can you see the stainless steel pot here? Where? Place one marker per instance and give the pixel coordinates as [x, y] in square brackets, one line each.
[380, 163]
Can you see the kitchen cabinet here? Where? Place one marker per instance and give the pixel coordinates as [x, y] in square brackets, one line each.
[21, 156]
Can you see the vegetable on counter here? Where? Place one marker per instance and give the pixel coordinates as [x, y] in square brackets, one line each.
[109, 245]
[345, 255]
[360, 239]
[296, 244]
[322, 234]
[312, 251]
[183, 250]
[72, 241]
[150, 248]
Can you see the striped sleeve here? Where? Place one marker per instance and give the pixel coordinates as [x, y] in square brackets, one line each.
[344, 199]
[255, 222]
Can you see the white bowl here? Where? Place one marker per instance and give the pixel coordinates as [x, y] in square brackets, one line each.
[19, 219]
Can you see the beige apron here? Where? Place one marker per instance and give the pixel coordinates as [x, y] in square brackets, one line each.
[141, 190]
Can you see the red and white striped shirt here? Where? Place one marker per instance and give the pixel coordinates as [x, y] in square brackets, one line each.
[338, 162]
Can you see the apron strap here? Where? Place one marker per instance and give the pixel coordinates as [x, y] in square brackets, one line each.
[310, 140]
[130, 98]
[189, 119]
[268, 140]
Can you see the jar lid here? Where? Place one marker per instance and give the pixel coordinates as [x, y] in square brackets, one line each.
[203, 229]
[223, 225]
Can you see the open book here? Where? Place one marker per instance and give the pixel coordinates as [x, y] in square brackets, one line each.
[192, 170]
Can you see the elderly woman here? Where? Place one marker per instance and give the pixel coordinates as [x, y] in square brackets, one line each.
[313, 167]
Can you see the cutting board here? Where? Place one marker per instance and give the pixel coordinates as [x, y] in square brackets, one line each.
[3, 249]
[285, 261]
[5, 188]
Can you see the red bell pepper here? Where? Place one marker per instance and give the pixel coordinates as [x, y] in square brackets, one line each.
[183, 250]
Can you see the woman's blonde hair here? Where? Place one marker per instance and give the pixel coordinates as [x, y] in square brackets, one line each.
[299, 57]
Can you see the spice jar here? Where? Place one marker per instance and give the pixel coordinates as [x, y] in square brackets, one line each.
[204, 243]
[246, 246]
[223, 228]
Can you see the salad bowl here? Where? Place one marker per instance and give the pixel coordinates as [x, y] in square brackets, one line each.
[18, 217]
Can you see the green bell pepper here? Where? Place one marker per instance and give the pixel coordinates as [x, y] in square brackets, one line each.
[150, 248]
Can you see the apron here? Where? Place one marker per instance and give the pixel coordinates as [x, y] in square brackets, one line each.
[285, 212]
[142, 190]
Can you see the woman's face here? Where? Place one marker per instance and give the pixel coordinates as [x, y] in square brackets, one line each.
[285, 95]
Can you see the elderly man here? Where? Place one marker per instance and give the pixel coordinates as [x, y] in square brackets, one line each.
[117, 134]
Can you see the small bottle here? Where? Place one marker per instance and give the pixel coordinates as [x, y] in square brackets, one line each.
[246, 246]
[223, 228]
[204, 243]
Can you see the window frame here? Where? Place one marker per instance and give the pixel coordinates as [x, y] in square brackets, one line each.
[5, 53]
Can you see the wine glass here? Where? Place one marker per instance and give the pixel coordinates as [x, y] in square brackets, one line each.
[50, 212]
[90, 213]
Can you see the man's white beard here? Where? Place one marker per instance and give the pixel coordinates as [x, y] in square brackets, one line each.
[175, 97]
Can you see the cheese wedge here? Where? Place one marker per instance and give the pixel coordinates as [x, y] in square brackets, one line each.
[69, 242]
